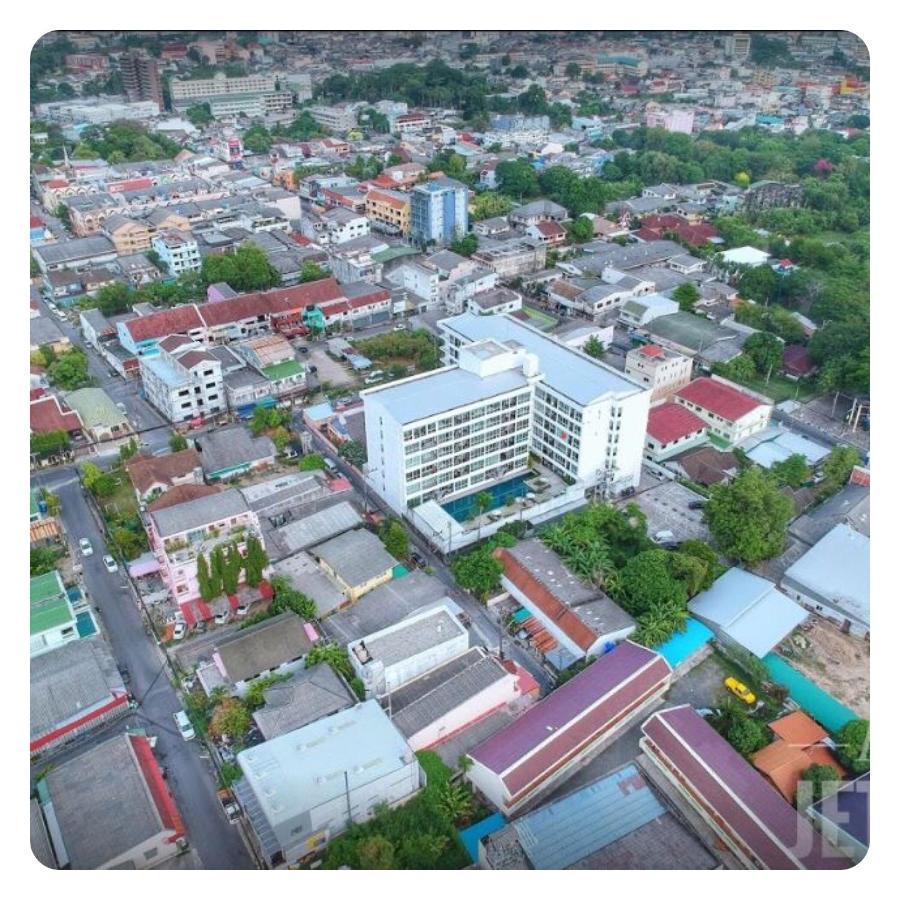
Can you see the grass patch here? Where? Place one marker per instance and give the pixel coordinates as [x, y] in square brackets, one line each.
[778, 388]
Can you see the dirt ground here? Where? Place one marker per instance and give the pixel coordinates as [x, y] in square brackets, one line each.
[837, 662]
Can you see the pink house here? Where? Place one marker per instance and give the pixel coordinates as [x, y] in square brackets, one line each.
[179, 533]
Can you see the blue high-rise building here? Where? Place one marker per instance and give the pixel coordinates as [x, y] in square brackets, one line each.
[439, 211]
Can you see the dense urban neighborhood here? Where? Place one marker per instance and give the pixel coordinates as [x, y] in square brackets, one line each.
[449, 450]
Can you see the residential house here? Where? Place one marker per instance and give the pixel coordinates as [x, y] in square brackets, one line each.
[537, 211]
[53, 620]
[731, 414]
[550, 233]
[495, 301]
[49, 413]
[103, 421]
[298, 787]
[128, 235]
[275, 646]
[229, 452]
[548, 741]
[392, 657]
[356, 560]
[178, 534]
[154, 475]
[757, 825]
[389, 211]
[747, 612]
[639, 312]
[45, 332]
[178, 251]
[515, 257]
[183, 380]
[109, 807]
[74, 254]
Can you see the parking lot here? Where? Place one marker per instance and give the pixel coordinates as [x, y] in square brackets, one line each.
[328, 369]
[666, 505]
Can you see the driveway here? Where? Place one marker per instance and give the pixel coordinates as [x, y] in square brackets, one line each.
[191, 777]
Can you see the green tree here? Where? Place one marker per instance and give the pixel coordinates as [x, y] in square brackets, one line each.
[580, 230]
[759, 283]
[837, 468]
[70, 371]
[395, 538]
[42, 560]
[817, 781]
[648, 580]
[573, 70]
[311, 271]
[749, 517]
[487, 205]
[686, 295]
[311, 462]
[742, 179]
[177, 442]
[793, 471]
[247, 269]
[483, 502]
[254, 698]
[354, 453]
[594, 347]
[217, 569]
[199, 115]
[465, 246]
[766, 351]
[90, 475]
[477, 571]
[518, 178]
[255, 561]
[286, 598]
[455, 803]
[852, 742]
[230, 719]
[49, 443]
[747, 735]
[231, 569]
[332, 654]
[257, 139]
[701, 551]
[203, 580]
[126, 451]
[376, 852]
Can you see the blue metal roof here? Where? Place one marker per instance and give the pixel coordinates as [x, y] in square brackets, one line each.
[683, 646]
[560, 834]
[474, 833]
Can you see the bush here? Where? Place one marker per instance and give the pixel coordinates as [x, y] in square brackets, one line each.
[853, 746]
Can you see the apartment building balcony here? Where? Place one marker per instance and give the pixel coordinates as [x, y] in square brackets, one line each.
[184, 551]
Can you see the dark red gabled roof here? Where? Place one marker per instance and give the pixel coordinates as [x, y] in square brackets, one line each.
[672, 421]
[233, 309]
[167, 321]
[719, 398]
[159, 791]
[48, 414]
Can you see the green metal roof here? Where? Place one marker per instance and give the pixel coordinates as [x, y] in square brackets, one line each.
[49, 605]
[286, 369]
[95, 407]
[384, 256]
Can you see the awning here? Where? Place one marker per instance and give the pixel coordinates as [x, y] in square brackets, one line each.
[144, 565]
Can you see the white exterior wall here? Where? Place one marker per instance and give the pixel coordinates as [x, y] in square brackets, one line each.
[733, 432]
[499, 694]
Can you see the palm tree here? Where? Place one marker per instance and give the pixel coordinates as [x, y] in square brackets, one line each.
[455, 802]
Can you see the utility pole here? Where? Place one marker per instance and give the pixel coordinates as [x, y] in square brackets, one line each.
[347, 791]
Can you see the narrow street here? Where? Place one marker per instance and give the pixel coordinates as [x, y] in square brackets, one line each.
[190, 776]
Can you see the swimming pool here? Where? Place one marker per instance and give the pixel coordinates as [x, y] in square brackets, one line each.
[463, 508]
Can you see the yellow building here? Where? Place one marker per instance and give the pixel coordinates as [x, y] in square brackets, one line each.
[390, 209]
[357, 561]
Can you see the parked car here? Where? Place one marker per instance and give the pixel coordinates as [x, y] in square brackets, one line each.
[331, 465]
[183, 724]
[313, 369]
[85, 546]
[740, 690]
[180, 631]
[223, 617]
[229, 805]
[242, 610]
[111, 565]
[417, 557]
[303, 349]
[400, 326]
[696, 504]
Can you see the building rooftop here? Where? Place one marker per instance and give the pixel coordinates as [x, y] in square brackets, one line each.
[102, 803]
[835, 570]
[71, 682]
[433, 695]
[147, 471]
[308, 696]
[318, 526]
[306, 767]
[671, 421]
[356, 557]
[231, 447]
[749, 609]
[199, 513]
[567, 371]
[49, 606]
[719, 398]
[410, 637]
[96, 408]
[264, 646]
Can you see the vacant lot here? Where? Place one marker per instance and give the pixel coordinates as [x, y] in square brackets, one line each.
[837, 662]
[666, 506]
[329, 369]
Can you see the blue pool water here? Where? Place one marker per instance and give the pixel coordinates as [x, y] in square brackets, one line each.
[85, 624]
[463, 508]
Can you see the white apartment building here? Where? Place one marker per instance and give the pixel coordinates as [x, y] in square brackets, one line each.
[730, 413]
[183, 381]
[589, 420]
[178, 250]
[336, 118]
[452, 430]
[663, 371]
[423, 281]
[198, 90]
[737, 46]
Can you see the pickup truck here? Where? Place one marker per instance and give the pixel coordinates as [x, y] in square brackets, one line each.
[229, 805]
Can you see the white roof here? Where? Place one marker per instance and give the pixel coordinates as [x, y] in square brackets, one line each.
[565, 370]
[304, 768]
[745, 256]
[836, 569]
[749, 609]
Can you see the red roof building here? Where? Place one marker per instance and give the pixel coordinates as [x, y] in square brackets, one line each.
[760, 828]
[670, 423]
[730, 413]
[178, 320]
[659, 227]
[544, 744]
[796, 362]
[50, 414]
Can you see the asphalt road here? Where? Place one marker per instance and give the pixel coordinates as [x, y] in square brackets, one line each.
[190, 776]
[125, 391]
[487, 632]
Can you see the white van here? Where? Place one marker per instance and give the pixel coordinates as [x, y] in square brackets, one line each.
[183, 724]
[331, 466]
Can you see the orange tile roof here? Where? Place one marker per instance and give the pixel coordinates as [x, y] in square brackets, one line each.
[798, 729]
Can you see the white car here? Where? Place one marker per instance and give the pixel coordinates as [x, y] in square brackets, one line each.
[85, 546]
[183, 724]
[180, 629]
[111, 565]
[400, 327]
